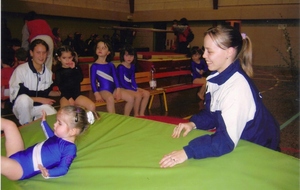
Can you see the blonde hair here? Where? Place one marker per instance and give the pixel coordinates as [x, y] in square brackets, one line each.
[226, 36]
[79, 117]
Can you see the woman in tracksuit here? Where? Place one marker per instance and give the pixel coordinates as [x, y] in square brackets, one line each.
[233, 105]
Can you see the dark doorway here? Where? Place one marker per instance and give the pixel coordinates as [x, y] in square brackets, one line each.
[127, 36]
[160, 37]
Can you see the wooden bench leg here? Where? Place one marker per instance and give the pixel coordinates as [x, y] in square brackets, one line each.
[165, 101]
[150, 103]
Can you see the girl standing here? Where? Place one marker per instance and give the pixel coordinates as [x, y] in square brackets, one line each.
[126, 73]
[233, 104]
[52, 157]
[199, 68]
[68, 77]
[104, 80]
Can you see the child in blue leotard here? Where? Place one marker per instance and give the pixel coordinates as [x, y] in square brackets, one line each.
[199, 69]
[104, 80]
[126, 73]
[52, 157]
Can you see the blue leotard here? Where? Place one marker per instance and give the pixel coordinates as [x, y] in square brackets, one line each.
[195, 67]
[55, 154]
[105, 75]
[127, 77]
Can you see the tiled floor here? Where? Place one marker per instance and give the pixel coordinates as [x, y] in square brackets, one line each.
[280, 96]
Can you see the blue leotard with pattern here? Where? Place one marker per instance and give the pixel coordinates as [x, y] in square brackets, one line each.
[55, 154]
[127, 77]
[105, 75]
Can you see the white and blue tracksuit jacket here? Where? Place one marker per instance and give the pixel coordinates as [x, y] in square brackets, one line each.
[233, 106]
[26, 80]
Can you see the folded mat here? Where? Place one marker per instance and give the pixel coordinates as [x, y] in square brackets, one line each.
[121, 152]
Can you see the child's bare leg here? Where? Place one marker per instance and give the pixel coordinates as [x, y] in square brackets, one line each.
[137, 101]
[129, 101]
[85, 102]
[201, 92]
[13, 139]
[64, 102]
[110, 101]
[13, 143]
[11, 168]
[145, 100]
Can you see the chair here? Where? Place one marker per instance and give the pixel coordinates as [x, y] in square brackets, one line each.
[144, 77]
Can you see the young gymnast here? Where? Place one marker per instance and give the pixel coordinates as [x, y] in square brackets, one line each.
[52, 157]
[68, 77]
[199, 68]
[104, 80]
[126, 73]
[233, 105]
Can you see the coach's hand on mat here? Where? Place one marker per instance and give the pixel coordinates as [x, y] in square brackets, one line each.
[187, 127]
[172, 159]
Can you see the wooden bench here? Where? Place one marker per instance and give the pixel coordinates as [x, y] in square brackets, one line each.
[179, 86]
[144, 77]
[176, 87]
[140, 77]
[163, 65]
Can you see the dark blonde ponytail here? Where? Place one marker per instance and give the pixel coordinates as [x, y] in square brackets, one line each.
[245, 55]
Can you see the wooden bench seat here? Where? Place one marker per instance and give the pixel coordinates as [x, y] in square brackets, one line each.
[172, 74]
[144, 77]
[140, 77]
[179, 86]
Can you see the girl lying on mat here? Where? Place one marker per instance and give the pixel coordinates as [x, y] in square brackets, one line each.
[233, 105]
[52, 157]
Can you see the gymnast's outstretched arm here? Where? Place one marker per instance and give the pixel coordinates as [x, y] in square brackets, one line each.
[45, 126]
